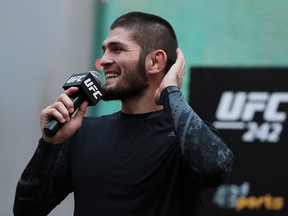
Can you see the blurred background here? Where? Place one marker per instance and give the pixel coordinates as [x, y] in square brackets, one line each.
[42, 43]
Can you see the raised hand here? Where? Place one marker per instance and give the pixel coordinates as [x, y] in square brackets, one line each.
[174, 76]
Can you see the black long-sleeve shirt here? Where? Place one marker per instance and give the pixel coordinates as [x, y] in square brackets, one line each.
[121, 164]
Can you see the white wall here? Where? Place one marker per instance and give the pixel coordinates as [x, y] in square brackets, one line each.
[41, 44]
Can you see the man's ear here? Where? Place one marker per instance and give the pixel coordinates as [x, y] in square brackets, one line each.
[156, 62]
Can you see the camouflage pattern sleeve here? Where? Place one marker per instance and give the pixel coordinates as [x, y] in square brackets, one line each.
[208, 158]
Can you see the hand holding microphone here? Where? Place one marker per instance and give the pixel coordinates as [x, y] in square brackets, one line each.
[89, 89]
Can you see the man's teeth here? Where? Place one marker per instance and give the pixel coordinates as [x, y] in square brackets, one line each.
[112, 75]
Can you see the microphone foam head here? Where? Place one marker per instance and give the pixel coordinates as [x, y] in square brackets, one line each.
[97, 75]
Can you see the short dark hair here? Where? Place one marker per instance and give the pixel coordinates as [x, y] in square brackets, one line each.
[151, 32]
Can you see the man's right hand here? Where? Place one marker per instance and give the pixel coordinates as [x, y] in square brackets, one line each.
[61, 110]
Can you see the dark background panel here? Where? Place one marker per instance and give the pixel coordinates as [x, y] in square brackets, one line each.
[258, 182]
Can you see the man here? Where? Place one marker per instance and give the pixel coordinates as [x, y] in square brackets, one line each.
[152, 158]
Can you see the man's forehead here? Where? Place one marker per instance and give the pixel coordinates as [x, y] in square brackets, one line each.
[118, 36]
[118, 33]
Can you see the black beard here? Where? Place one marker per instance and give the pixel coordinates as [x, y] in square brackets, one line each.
[134, 85]
[124, 92]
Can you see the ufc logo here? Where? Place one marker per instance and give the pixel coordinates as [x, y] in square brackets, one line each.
[75, 79]
[92, 87]
[236, 110]
[243, 106]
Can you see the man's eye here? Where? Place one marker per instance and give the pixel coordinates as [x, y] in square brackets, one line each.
[118, 49]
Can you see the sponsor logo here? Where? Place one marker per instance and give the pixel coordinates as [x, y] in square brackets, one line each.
[241, 111]
[237, 197]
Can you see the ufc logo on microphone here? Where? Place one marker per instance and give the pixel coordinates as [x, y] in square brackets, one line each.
[237, 110]
[93, 88]
[75, 79]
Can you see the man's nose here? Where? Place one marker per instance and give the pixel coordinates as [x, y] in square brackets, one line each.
[106, 60]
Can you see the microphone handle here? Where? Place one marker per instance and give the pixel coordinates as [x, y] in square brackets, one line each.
[53, 126]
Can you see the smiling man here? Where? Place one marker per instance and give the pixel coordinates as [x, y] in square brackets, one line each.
[121, 53]
[154, 157]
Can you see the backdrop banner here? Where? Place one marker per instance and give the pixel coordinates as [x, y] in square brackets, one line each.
[249, 108]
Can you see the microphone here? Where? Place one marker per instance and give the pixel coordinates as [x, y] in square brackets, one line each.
[89, 89]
